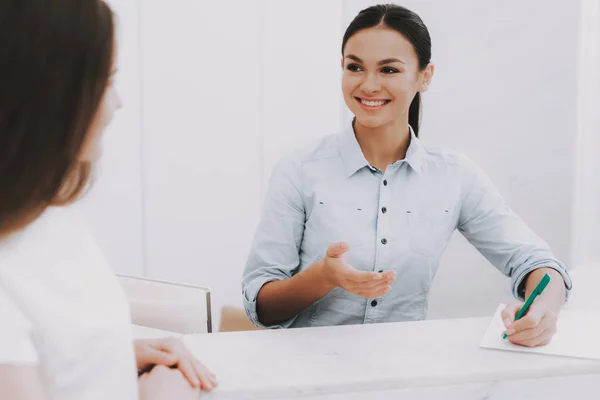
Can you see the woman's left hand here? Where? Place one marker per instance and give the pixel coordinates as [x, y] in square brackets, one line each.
[535, 328]
[172, 352]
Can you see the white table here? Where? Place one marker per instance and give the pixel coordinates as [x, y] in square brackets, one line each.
[438, 359]
[144, 332]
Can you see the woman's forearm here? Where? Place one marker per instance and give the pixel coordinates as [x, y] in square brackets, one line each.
[554, 294]
[280, 300]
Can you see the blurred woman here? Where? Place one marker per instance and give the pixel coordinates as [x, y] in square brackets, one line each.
[66, 330]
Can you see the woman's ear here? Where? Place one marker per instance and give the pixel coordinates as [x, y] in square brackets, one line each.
[426, 77]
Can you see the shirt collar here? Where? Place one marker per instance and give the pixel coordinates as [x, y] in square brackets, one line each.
[354, 159]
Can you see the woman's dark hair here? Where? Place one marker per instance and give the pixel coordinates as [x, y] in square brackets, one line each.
[55, 64]
[406, 23]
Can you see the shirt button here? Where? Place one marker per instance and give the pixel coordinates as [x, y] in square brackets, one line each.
[384, 241]
[385, 182]
[374, 303]
[384, 210]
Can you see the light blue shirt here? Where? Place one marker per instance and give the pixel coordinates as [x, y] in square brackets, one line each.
[400, 219]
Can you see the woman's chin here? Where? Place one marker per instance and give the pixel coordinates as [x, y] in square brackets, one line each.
[370, 121]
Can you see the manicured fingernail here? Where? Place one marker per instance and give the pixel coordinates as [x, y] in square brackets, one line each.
[506, 322]
[510, 331]
[378, 277]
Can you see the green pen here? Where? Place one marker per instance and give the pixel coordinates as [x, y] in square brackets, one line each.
[536, 292]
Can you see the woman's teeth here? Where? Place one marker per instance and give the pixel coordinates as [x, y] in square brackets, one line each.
[373, 103]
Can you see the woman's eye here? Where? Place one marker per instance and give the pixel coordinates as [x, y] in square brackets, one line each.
[354, 68]
[389, 70]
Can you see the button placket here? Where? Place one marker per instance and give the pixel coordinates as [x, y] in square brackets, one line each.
[382, 252]
[383, 225]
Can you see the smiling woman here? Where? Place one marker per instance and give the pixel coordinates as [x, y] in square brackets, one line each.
[354, 226]
[394, 72]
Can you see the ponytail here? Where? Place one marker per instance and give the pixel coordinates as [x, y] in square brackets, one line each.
[414, 113]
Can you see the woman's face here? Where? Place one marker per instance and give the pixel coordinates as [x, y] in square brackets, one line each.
[109, 104]
[381, 76]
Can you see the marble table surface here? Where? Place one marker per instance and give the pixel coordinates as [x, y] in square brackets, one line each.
[422, 360]
[144, 332]
[581, 387]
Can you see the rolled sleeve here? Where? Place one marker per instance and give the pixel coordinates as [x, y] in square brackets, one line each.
[518, 287]
[250, 294]
[274, 254]
[499, 234]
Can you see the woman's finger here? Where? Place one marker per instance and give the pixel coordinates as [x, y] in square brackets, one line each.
[159, 357]
[509, 313]
[533, 318]
[207, 378]
[187, 368]
[534, 341]
[372, 294]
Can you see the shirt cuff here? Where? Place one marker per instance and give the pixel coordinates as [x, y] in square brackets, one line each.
[250, 294]
[523, 271]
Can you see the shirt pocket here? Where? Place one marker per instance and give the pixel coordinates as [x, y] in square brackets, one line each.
[430, 228]
[334, 221]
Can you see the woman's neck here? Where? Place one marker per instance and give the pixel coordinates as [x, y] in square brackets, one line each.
[384, 144]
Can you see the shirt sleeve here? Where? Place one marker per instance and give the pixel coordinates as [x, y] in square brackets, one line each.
[274, 254]
[16, 345]
[499, 234]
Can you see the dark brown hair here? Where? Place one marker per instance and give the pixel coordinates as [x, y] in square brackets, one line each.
[409, 25]
[55, 65]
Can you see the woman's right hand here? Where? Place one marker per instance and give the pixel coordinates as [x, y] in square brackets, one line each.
[338, 273]
[164, 383]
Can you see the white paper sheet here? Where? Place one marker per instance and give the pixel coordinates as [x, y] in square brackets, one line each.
[578, 335]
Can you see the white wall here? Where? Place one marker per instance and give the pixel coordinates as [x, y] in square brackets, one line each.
[586, 210]
[216, 92]
[301, 75]
[200, 72]
[114, 207]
